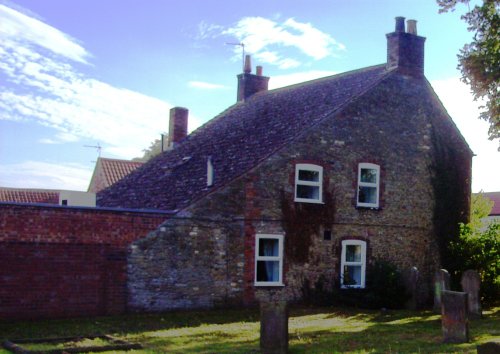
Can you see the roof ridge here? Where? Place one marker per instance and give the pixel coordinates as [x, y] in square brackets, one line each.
[324, 78]
[239, 139]
[302, 133]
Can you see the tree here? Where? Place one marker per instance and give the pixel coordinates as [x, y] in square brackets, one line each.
[155, 148]
[479, 61]
[480, 208]
[478, 247]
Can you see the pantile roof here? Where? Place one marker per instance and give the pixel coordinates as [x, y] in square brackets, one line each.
[24, 195]
[109, 171]
[237, 140]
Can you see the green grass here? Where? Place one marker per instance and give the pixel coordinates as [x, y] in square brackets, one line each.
[311, 330]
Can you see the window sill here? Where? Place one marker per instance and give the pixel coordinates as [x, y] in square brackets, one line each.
[368, 207]
[272, 285]
[309, 201]
[347, 287]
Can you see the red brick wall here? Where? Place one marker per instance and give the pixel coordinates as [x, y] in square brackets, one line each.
[62, 262]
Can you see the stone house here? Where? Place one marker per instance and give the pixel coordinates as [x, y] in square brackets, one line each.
[287, 186]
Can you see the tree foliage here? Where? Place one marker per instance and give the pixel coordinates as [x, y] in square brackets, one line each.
[155, 148]
[480, 208]
[478, 248]
[479, 61]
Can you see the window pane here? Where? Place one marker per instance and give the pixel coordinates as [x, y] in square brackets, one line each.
[269, 247]
[306, 175]
[368, 175]
[352, 275]
[353, 253]
[367, 195]
[268, 271]
[307, 192]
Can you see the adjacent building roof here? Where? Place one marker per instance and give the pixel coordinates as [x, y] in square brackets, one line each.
[24, 195]
[495, 197]
[237, 140]
[109, 171]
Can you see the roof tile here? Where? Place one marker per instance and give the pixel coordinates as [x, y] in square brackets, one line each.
[237, 140]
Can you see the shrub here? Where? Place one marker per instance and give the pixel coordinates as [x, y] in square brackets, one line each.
[479, 250]
[384, 289]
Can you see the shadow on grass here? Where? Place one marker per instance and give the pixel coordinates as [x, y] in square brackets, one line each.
[312, 330]
[125, 324]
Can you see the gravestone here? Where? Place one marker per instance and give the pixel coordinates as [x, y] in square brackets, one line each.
[471, 282]
[454, 317]
[411, 278]
[441, 282]
[273, 327]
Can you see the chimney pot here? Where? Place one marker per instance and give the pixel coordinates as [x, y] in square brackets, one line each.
[248, 65]
[405, 50]
[400, 24]
[412, 26]
[249, 84]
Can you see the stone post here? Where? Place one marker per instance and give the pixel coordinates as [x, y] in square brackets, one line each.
[471, 282]
[411, 284]
[273, 327]
[441, 282]
[454, 317]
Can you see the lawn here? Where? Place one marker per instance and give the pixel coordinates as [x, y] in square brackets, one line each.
[312, 330]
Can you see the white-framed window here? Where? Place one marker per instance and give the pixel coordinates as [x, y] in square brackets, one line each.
[368, 185]
[268, 260]
[308, 183]
[353, 264]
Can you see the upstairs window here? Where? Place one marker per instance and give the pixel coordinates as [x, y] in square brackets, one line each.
[368, 185]
[353, 264]
[269, 260]
[308, 183]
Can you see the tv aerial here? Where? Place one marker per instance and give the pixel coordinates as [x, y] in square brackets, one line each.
[242, 45]
[98, 147]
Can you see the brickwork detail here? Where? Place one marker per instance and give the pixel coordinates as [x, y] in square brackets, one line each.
[66, 262]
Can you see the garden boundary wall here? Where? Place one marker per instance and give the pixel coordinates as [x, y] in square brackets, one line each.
[59, 261]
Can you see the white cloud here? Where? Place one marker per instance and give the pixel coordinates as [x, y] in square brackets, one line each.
[36, 174]
[205, 85]
[263, 38]
[295, 78]
[459, 103]
[207, 30]
[45, 88]
[14, 24]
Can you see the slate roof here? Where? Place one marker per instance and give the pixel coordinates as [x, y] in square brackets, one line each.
[237, 140]
[24, 195]
[109, 171]
[495, 197]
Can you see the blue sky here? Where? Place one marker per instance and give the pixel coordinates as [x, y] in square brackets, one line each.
[88, 72]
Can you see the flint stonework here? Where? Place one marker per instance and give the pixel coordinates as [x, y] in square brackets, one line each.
[454, 317]
[471, 283]
[274, 327]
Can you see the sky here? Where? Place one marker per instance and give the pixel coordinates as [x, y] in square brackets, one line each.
[84, 73]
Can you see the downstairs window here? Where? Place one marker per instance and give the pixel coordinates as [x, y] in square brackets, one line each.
[268, 260]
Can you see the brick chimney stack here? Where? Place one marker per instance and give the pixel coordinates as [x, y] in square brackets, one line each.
[405, 50]
[248, 83]
[178, 123]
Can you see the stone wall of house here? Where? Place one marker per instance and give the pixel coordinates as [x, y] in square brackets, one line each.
[206, 255]
[191, 260]
[66, 261]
